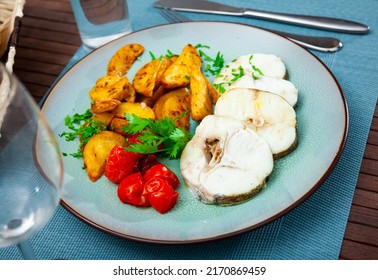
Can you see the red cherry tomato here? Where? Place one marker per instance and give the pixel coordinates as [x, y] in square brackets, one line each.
[134, 139]
[162, 171]
[131, 190]
[163, 202]
[119, 164]
[146, 162]
[161, 194]
[156, 184]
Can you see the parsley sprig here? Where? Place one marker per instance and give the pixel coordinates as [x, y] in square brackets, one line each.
[236, 73]
[156, 136]
[169, 54]
[82, 127]
[256, 73]
[214, 65]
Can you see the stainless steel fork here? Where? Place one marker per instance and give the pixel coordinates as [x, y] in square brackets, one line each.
[323, 44]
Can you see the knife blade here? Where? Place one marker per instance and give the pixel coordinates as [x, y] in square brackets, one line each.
[327, 23]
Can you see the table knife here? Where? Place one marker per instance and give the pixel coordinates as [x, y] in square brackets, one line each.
[201, 6]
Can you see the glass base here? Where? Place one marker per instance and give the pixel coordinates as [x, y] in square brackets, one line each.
[27, 250]
[93, 43]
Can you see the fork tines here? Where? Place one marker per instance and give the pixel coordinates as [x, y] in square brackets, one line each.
[173, 16]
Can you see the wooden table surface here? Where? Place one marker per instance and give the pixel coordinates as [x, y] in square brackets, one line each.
[47, 41]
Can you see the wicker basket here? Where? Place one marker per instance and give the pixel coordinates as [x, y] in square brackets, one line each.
[10, 18]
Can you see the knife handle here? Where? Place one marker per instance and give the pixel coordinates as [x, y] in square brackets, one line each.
[323, 44]
[333, 24]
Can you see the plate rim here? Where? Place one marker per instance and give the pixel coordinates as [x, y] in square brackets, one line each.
[281, 213]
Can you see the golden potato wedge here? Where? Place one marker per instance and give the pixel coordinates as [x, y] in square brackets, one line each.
[145, 78]
[130, 95]
[123, 59]
[105, 117]
[178, 74]
[148, 78]
[150, 101]
[97, 150]
[172, 59]
[107, 80]
[173, 104]
[201, 103]
[118, 90]
[101, 106]
[117, 125]
[164, 65]
[139, 109]
[213, 92]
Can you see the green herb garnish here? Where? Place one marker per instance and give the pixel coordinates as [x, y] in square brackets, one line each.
[220, 87]
[81, 127]
[157, 136]
[152, 55]
[168, 55]
[214, 65]
[257, 73]
[236, 73]
[199, 46]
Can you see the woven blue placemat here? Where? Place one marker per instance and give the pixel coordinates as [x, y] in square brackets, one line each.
[315, 229]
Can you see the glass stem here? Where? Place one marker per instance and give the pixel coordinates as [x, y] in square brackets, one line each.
[26, 250]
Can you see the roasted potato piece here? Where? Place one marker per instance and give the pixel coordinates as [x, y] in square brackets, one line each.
[101, 106]
[148, 78]
[213, 92]
[165, 64]
[200, 98]
[117, 125]
[130, 95]
[173, 104]
[105, 117]
[145, 79]
[139, 109]
[172, 59]
[123, 59]
[178, 74]
[107, 80]
[97, 150]
[150, 101]
[118, 90]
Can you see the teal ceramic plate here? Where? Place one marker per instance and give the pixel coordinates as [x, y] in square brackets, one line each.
[322, 126]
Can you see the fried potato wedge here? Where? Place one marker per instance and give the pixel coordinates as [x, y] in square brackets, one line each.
[139, 109]
[118, 90]
[213, 92]
[145, 79]
[101, 106]
[178, 74]
[96, 152]
[165, 64]
[107, 80]
[201, 103]
[172, 105]
[123, 59]
[150, 101]
[117, 125]
[105, 117]
[131, 95]
[148, 78]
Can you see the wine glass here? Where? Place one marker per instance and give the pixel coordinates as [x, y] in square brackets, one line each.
[31, 166]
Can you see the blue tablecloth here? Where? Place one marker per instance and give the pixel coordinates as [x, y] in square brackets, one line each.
[315, 229]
